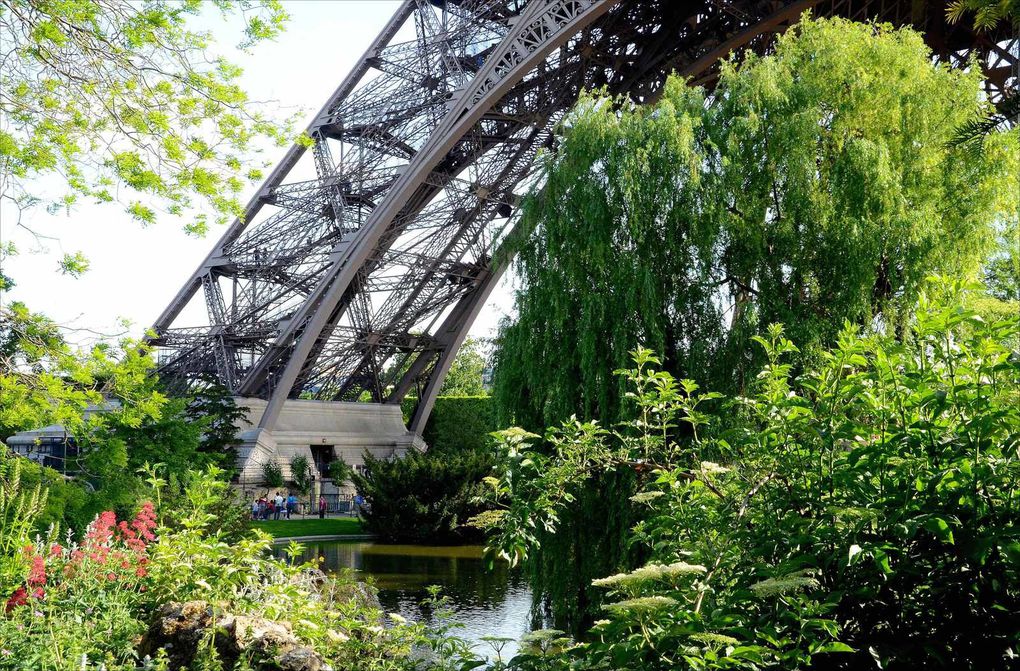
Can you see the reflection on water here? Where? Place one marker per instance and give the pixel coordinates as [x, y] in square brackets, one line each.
[486, 603]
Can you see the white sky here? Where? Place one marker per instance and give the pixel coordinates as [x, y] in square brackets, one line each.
[135, 271]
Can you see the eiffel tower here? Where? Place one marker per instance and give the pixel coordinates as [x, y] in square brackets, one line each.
[362, 261]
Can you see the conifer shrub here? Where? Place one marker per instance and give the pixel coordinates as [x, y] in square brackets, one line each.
[424, 497]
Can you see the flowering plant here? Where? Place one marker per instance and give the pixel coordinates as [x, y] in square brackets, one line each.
[102, 578]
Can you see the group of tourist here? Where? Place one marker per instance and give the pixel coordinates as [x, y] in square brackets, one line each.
[272, 507]
[277, 506]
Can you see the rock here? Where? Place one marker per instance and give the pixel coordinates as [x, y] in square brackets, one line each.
[181, 628]
[178, 629]
[301, 659]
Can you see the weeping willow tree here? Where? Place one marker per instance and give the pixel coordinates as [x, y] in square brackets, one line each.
[814, 186]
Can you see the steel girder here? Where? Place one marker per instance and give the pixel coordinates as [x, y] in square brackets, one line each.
[363, 259]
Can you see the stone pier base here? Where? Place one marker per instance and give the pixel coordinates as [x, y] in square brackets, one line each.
[350, 429]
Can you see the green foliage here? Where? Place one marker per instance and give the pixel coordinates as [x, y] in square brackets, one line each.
[20, 505]
[429, 496]
[88, 602]
[1002, 270]
[460, 424]
[272, 475]
[67, 501]
[860, 512]
[213, 406]
[231, 512]
[108, 94]
[465, 375]
[301, 474]
[423, 496]
[194, 432]
[44, 381]
[815, 186]
[339, 471]
[987, 13]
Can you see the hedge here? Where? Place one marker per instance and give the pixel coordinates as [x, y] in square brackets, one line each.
[457, 423]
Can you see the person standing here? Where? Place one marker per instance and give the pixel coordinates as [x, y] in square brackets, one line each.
[291, 505]
[255, 509]
[322, 507]
[279, 505]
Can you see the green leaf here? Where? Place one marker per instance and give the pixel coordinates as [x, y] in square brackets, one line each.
[940, 528]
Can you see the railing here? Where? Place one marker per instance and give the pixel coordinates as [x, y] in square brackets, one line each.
[337, 503]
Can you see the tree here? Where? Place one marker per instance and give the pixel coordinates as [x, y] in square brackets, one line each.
[272, 475]
[465, 377]
[43, 380]
[1002, 270]
[814, 187]
[212, 406]
[987, 15]
[113, 97]
[193, 432]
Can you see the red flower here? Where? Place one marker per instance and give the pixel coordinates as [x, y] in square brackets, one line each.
[141, 572]
[18, 598]
[111, 576]
[55, 550]
[37, 575]
[38, 593]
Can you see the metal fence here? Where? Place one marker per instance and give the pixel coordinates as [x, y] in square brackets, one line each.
[337, 503]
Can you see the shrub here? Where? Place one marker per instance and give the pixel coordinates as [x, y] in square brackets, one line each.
[460, 424]
[301, 474]
[865, 507]
[272, 475]
[423, 497]
[66, 499]
[89, 604]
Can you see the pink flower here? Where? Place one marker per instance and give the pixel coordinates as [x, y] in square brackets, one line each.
[38, 593]
[145, 522]
[55, 550]
[100, 532]
[37, 574]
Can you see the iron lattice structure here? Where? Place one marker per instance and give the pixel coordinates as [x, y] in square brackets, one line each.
[363, 259]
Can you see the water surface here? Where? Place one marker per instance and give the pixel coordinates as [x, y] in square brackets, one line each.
[484, 602]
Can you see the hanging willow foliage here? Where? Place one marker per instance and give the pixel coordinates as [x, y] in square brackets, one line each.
[814, 186]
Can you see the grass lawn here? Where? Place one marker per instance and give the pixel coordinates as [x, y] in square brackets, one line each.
[310, 527]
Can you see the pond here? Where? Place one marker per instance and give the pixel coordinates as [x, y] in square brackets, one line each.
[484, 602]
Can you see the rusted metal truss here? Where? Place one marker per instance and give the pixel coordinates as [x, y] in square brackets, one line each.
[363, 259]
